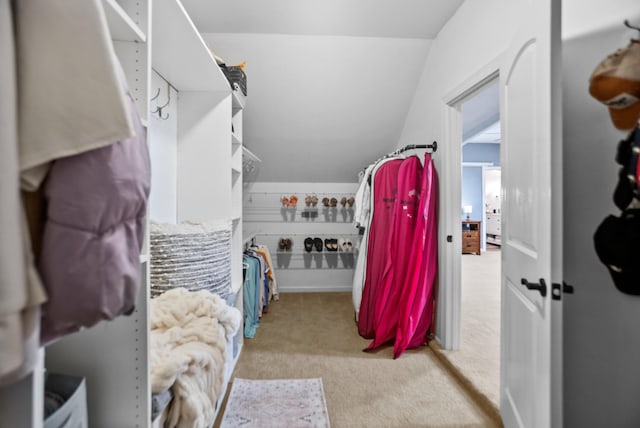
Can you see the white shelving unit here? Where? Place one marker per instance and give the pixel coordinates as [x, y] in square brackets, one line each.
[199, 161]
[113, 355]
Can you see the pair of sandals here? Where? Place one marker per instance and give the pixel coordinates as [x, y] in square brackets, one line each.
[311, 200]
[333, 202]
[289, 201]
[331, 244]
[347, 201]
[310, 243]
[345, 245]
[285, 244]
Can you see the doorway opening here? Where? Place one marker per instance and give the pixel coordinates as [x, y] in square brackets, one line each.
[477, 356]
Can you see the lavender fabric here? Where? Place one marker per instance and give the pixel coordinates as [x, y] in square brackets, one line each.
[96, 216]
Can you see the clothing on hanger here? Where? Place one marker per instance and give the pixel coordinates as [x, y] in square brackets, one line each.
[398, 251]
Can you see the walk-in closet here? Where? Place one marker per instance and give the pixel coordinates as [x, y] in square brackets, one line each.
[332, 214]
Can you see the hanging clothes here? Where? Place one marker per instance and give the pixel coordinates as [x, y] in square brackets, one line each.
[90, 259]
[361, 220]
[272, 286]
[251, 295]
[21, 292]
[384, 192]
[398, 249]
[66, 104]
[416, 306]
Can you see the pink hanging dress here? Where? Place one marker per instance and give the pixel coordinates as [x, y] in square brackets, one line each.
[399, 250]
[416, 301]
[384, 191]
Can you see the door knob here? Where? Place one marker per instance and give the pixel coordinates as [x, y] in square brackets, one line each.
[541, 287]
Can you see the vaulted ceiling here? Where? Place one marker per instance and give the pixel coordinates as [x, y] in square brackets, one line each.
[329, 83]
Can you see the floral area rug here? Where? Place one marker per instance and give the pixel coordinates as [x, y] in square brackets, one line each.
[291, 403]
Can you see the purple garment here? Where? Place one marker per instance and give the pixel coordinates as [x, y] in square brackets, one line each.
[96, 218]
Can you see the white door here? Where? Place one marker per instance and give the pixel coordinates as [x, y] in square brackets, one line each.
[530, 110]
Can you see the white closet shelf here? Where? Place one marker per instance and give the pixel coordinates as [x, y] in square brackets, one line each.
[179, 53]
[239, 100]
[248, 154]
[235, 141]
[121, 25]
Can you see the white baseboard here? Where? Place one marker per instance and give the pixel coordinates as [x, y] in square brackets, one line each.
[316, 289]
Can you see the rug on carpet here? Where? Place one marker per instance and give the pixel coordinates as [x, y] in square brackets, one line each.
[276, 403]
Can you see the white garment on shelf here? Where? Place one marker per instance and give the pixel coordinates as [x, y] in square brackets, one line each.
[70, 97]
[20, 290]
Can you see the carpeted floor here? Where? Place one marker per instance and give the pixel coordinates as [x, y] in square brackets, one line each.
[312, 335]
[478, 358]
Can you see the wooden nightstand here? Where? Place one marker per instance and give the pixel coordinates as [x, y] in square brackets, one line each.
[471, 237]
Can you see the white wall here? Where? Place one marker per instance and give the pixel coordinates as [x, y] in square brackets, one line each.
[299, 271]
[601, 341]
[321, 108]
[474, 37]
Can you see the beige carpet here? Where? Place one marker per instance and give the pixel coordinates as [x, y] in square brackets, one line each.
[314, 335]
[478, 358]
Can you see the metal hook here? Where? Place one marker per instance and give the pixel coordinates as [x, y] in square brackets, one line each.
[156, 95]
[158, 109]
[160, 114]
[628, 25]
[168, 98]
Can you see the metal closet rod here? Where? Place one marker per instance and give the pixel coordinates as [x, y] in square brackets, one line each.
[433, 146]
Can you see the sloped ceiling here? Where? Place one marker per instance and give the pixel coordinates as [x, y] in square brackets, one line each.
[480, 115]
[329, 83]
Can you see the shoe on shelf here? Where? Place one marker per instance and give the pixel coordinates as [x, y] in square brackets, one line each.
[318, 244]
[314, 200]
[333, 244]
[345, 245]
[350, 201]
[293, 201]
[281, 244]
[333, 202]
[342, 244]
[343, 201]
[288, 244]
[307, 201]
[349, 245]
[285, 201]
[325, 202]
[308, 244]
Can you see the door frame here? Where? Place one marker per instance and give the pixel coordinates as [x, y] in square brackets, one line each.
[450, 259]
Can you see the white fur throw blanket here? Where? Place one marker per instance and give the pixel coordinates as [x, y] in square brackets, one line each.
[188, 342]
